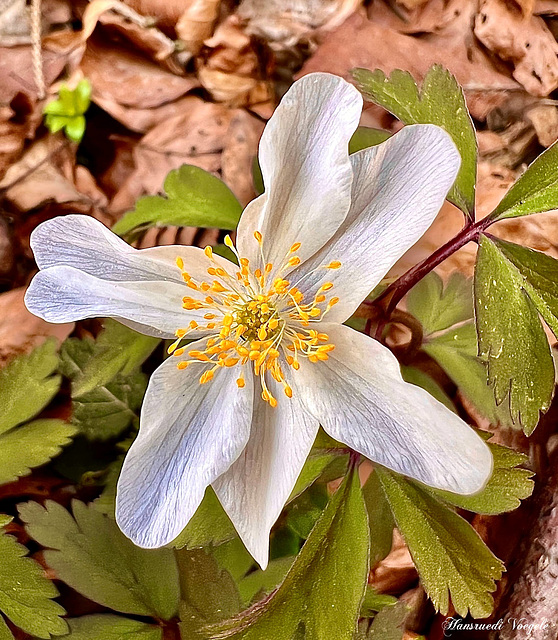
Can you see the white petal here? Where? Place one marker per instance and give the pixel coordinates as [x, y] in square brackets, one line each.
[398, 188]
[360, 399]
[254, 490]
[86, 244]
[189, 435]
[65, 294]
[306, 170]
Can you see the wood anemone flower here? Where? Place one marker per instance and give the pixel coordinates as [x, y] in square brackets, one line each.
[240, 407]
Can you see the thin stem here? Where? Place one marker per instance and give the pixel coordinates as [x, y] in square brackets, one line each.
[397, 290]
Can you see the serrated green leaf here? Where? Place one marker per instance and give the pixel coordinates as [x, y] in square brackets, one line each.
[195, 198]
[105, 626]
[5, 633]
[234, 558]
[106, 411]
[438, 307]
[117, 349]
[260, 583]
[67, 112]
[89, 553]
[209, 594]
[421, 379]
[209, 525]
[441, 102]
[31, 445]
[82, 96]
[25, 592]
[449, 555]
[507, 486]
[55, 123]
[321, 594]
[365, 137]
[27, 385]
[380, 519]
[456, 352]
[511, 338]
[535, 191]
[540, 278]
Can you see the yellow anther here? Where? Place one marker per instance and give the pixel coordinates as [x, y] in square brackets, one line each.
[294, 261]
[208, 252]
[240, 383]
[258, 273]
[296, 246]
[320, 298]
[193, 324]
[272, 401]
[221, 272]
[228, 320]
[262, 333]
[212, 271]
[334, 264]
[258, 236]
[186, 277]
[209, 316]
[193, 285]
[244, 262]
[290, 360]
[268, 267]
[230, 362]
[204, 286]
[180, 333]
[288, 391]
[254, 355]
[210, 300]
[179, 352]
[273, 323]
[182, 365]
[326, 287]
[180, 263]
[332, 302]
[315, 312]
[218, 287]
[206, 377]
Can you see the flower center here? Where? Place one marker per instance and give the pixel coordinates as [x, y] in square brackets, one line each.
[250, 317]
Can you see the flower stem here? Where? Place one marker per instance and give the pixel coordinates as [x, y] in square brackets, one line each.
[397, 290]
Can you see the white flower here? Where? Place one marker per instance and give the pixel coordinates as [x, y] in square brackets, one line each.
[240, 408]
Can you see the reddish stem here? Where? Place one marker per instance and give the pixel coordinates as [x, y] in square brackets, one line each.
[397, 290]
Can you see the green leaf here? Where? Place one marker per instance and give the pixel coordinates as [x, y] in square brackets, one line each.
[82, 96]
[31, 445]
[106, 411]
[540, 278]
[260, 583]
[313, 468]
[441, 102]
[5, 633]
[438, 307]
[365, 137]
[234, 558]
[91, 555]
[535, 191]
[374, 602]
[105, 626]
[27, 385]
[449, 555]
[209, 593]
[117, 350]
[322, 592]
[209, 525]
[421, 379]
[456, 352]
[511, 338]
[75, 128]
[380, 519]
[195, 198]
[25, 592]
[507, 486]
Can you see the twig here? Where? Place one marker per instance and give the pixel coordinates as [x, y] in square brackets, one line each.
[36, 48]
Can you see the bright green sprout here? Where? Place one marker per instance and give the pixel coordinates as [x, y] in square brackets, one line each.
[67, 112]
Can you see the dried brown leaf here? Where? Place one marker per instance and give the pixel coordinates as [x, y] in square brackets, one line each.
[525, 41]
[196, 23]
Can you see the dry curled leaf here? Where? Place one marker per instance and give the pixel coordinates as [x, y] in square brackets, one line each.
[525, 41]
[196, 23]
